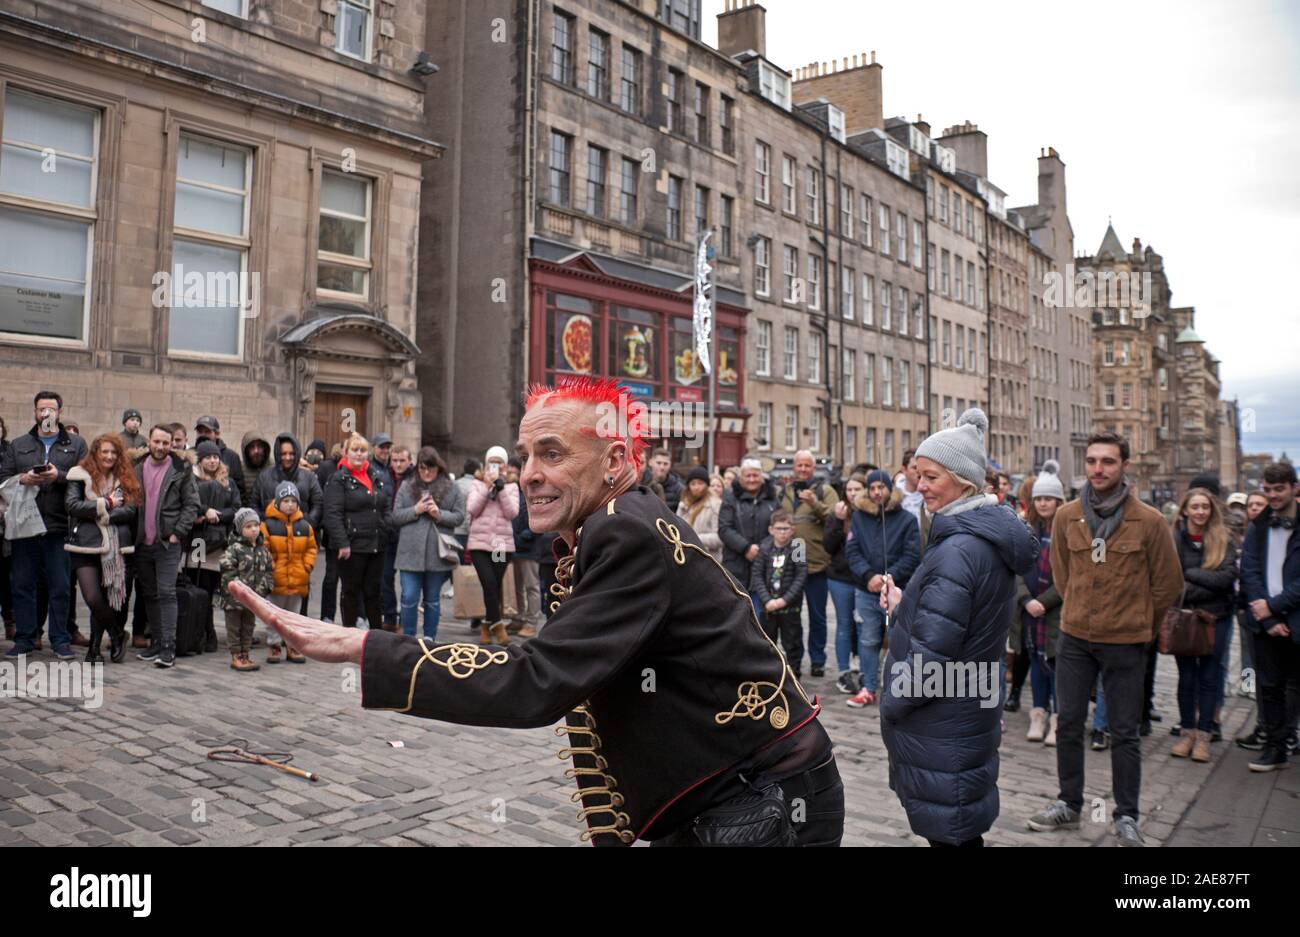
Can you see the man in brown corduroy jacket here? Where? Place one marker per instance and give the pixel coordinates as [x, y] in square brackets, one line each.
[1117, 571]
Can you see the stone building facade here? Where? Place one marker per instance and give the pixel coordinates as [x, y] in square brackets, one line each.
[263, 155]
[592, 147]
[849, 370]
[957, 209]
[1010, 266]
[591, 144]
[1156, 383]
[1060, 338]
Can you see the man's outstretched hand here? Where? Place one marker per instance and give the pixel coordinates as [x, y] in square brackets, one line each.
[330, 644]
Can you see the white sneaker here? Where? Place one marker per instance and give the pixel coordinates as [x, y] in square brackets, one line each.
[1050, 740]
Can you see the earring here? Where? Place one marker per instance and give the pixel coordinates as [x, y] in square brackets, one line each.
[609, 480]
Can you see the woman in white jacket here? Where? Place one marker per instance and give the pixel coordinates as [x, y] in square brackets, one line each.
[699, 507]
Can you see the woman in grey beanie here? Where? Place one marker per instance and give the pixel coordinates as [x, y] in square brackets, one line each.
[942, 728]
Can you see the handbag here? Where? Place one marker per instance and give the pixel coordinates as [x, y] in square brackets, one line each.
[755, 818]
[449, 548]
[1187, 632]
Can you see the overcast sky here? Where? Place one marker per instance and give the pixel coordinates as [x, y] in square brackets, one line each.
[1179, 120]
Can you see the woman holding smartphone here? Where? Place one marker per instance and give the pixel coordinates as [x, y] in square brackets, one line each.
[428, 504]
[492, 505]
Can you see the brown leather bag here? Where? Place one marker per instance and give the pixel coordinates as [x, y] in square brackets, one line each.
[1187, 632]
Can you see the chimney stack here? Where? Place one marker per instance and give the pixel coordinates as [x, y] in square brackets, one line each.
[853, 84]
[922, 125]
[742, 26]
[972, 147]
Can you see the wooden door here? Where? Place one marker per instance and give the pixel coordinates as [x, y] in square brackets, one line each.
[331, 409]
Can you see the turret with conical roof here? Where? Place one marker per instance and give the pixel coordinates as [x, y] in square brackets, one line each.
[1110, 244]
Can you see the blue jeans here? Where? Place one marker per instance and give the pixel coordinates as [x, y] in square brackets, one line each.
[1200, 682]
[1099, 722]
[431, 582]
[37, 559]
[846, 630]
[758, 606]
[1042, 681]
[814, 592]
[870, 619]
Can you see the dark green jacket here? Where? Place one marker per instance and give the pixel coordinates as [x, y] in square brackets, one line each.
[250, 562]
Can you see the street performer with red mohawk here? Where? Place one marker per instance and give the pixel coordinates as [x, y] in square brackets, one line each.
[684, 723]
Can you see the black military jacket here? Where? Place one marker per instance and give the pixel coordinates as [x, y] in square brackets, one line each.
[654, 657]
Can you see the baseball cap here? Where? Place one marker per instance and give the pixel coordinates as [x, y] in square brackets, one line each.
[1237, 497]
[208, 422]
[381, 439]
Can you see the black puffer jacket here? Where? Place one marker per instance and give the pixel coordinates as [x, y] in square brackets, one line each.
[89, 517]
[358, 518]
[310, 497]
[221, 494]
[1211, 590]
[742, 523]
[27, 452]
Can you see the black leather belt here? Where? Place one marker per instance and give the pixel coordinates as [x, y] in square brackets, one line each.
[807, 784]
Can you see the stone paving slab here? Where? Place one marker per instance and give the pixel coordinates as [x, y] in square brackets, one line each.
[135, 771]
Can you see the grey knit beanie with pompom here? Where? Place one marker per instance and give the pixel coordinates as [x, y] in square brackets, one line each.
[960, 449]
[1048, 482]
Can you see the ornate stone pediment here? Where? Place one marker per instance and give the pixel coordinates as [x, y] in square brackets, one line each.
[344, 334]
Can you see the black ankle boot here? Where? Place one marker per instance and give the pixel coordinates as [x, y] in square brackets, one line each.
[117, 646]
[93, 655]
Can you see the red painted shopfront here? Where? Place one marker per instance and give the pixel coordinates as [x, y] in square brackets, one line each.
[583, 321]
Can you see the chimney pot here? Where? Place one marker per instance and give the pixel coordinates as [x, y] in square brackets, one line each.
[873, 56]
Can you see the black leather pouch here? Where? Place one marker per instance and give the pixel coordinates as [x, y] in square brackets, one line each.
[755, 818]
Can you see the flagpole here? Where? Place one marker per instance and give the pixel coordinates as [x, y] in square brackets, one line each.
[713, 384]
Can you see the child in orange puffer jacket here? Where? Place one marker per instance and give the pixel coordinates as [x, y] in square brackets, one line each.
[289, 536]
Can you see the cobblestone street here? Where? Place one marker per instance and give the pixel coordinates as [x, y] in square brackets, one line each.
[135, 771]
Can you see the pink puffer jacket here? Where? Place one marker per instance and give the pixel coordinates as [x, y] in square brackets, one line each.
[489, 525]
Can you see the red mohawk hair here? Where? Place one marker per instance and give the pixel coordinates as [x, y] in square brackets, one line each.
[600, 392]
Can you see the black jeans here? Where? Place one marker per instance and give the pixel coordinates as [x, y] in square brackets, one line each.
[491, 575]
[816, 801]
[1277, 663]
[329, 596]
[1122, 668]
[786, 628]
[6, 588]
[976, 842]
[156, 573]
[360, 574]
[1149, 681]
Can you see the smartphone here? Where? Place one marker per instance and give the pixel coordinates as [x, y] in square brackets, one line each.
[493, 470]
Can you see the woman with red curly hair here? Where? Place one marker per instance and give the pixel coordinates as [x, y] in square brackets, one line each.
[102, 500]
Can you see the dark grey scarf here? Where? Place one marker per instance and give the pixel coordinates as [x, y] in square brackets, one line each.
[1104, 515]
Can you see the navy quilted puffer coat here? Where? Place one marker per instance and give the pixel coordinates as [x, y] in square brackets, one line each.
[943, 751]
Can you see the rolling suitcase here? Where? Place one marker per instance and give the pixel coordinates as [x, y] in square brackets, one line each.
[193, 617]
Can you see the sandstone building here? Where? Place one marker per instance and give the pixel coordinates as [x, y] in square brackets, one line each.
[267, 156]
